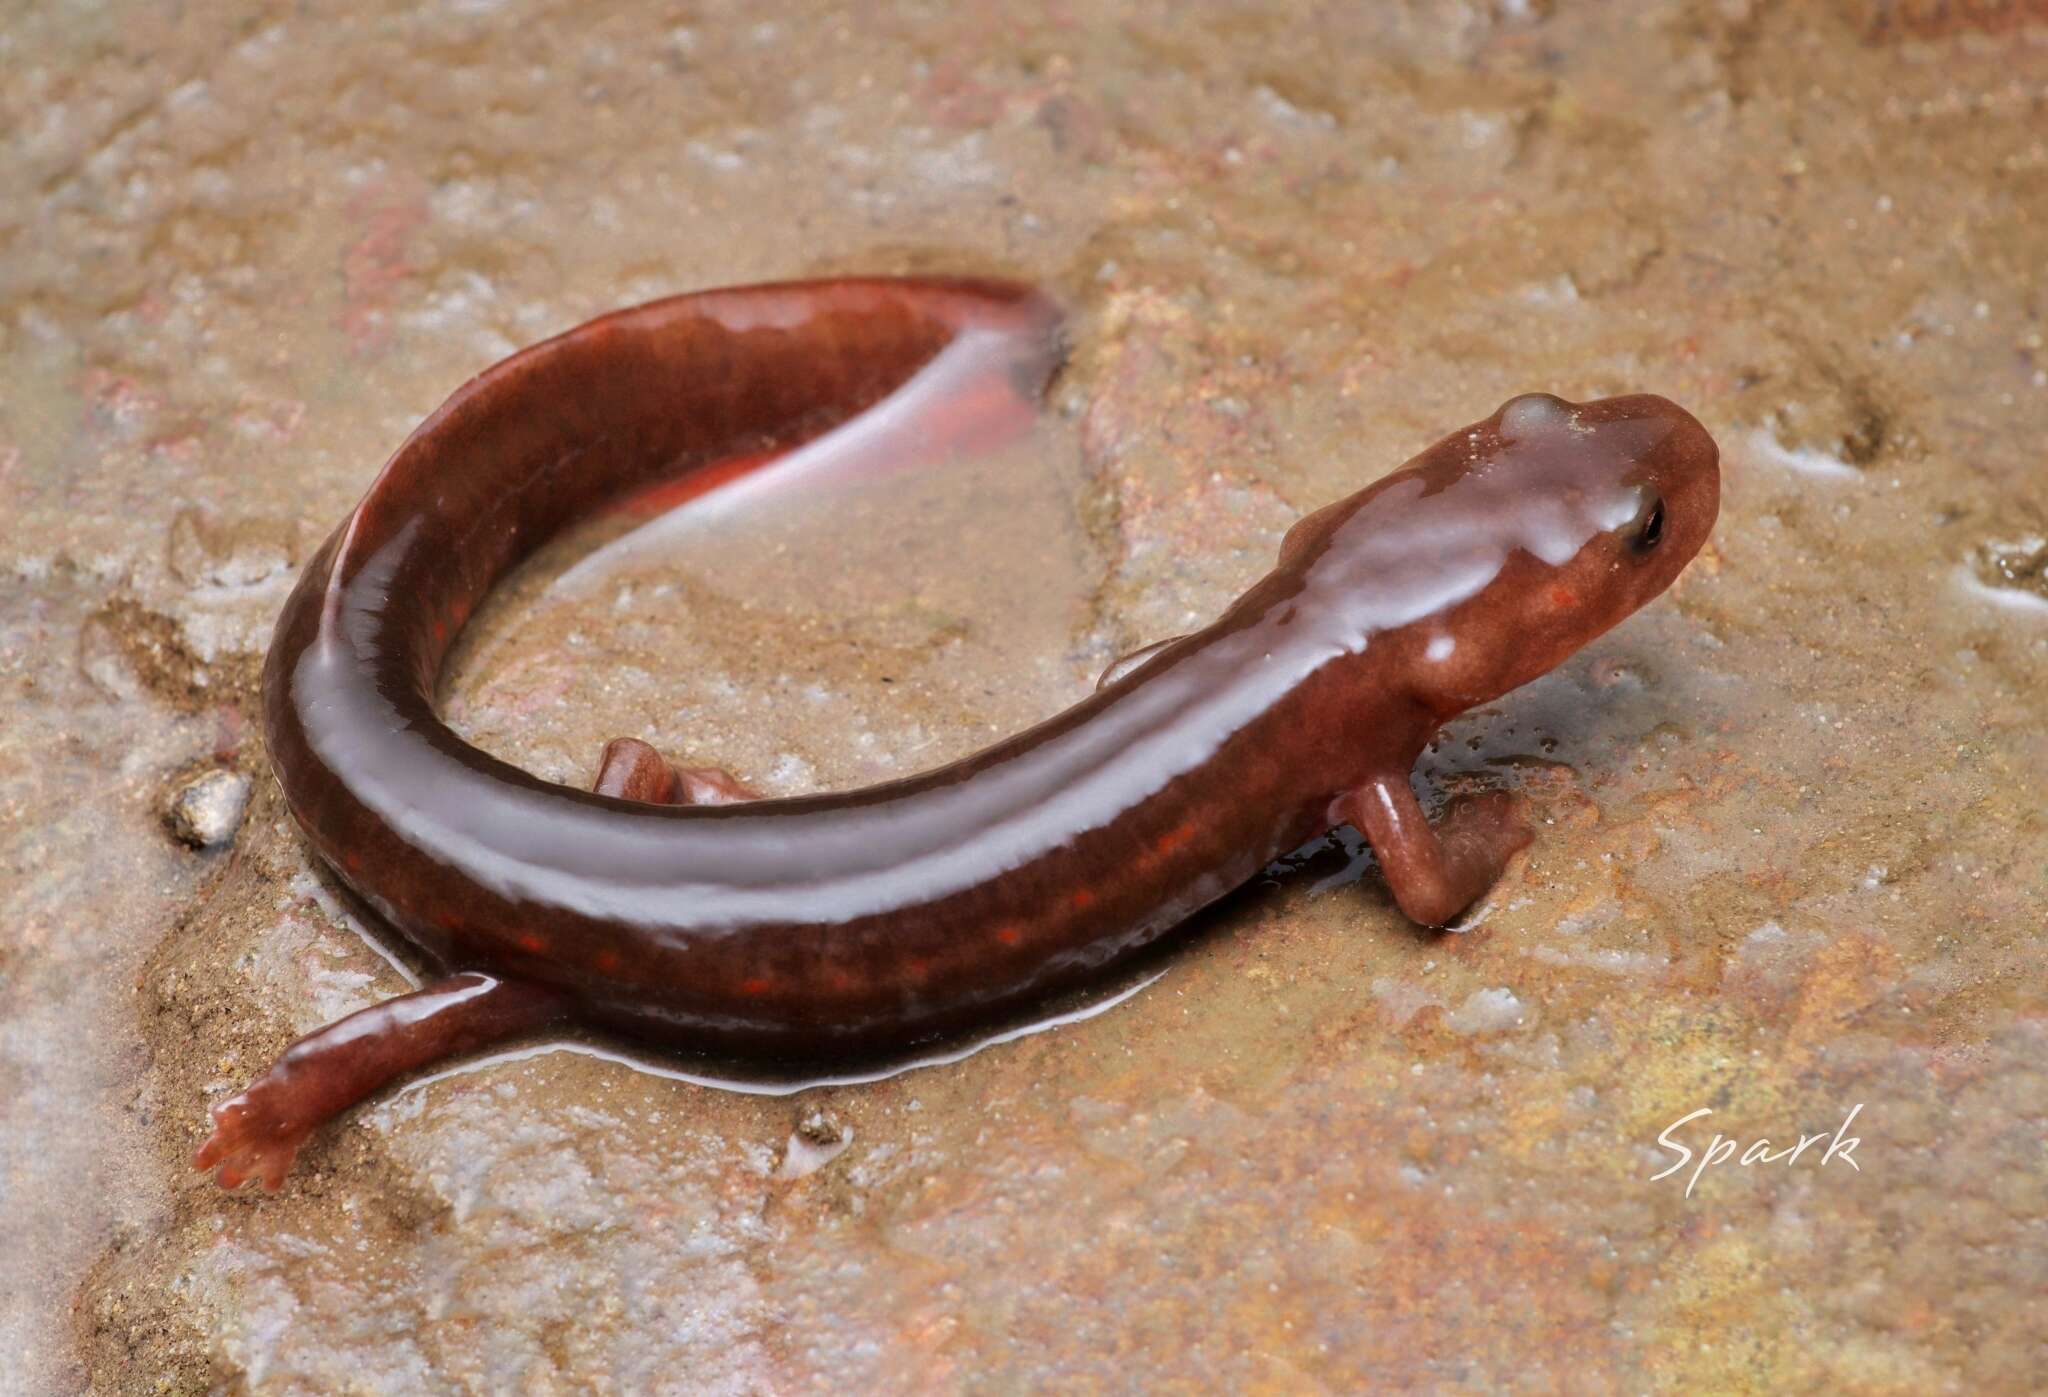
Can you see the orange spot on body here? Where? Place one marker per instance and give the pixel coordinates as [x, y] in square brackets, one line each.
[440, 630]
[757, 985]
[1562, 596]
[1009, 935]
[531, 942]
[1174, 838]
[1082, 899]
[607, 961]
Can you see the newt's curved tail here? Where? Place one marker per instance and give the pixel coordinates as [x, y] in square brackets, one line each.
[647, 406]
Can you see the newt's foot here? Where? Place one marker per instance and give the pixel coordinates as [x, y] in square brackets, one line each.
[632, 770]
[250, 1141]
[1489, 824]
[1435, 872]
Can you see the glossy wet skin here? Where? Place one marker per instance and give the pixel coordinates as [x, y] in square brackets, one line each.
[877, 917]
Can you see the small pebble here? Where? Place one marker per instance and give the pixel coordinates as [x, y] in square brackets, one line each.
[207, 809]
[819, 1138]
[822, 1127]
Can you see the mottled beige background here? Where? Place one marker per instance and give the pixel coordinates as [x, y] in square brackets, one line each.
[1792, 857]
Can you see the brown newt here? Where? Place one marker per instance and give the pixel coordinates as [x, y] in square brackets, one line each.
[672, 905]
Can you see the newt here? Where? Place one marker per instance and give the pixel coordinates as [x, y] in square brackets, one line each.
[672, 904]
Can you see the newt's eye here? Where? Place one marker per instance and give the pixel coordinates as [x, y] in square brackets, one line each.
[1649, 530]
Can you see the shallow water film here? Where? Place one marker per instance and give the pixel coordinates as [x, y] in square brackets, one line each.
[1791, 869]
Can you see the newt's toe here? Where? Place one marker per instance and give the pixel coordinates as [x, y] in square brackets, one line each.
[632, 770]
[711, 785]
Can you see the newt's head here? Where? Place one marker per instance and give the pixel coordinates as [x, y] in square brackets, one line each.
[1495, 554]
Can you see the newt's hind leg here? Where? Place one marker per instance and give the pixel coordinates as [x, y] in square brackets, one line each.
[632, 770]
[257, 1132]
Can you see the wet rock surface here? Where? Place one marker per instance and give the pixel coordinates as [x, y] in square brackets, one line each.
[1792, 846]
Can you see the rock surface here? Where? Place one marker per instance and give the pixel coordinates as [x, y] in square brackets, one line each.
[1792, 860]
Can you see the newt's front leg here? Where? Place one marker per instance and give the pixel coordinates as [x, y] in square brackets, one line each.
[1435, 873]
[257, 1132]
